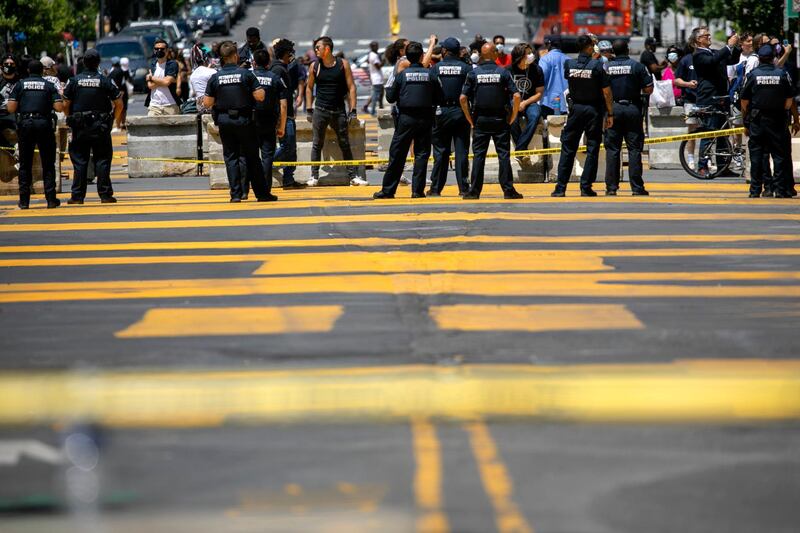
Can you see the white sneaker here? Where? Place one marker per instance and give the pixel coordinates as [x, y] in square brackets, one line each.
[404, 181]
[356, 182]
[312, 182]
[115, 130]
[428, 182]
[690, 161]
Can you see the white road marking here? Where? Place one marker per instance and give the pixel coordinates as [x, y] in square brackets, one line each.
[11, 451]
[327, 25]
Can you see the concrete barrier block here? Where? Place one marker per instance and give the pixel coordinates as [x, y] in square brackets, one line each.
[173, 137]
[665, 122]
[9, 182]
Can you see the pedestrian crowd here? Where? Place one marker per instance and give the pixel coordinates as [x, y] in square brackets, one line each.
[444, 98]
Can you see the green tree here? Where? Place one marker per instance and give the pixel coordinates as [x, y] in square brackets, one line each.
[40, 20]
[756, 15]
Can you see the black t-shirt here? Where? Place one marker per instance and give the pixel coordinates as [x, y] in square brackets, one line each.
[528, 80]
[35, 95]
[649, 58]
[118, 76]
[281, 70]
[685, 71]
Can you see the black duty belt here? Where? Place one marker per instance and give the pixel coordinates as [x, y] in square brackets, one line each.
[451, 104]
[24, 116]
[625, 102]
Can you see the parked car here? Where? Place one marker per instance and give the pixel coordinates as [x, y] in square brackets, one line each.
[166, 29]
[131, 46]
[439, 6]
[209, 18]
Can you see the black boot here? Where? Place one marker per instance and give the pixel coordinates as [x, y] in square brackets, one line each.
[24, 201]
[53, 202]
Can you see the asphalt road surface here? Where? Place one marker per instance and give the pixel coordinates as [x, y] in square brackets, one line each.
[334, 300]
[178, 363]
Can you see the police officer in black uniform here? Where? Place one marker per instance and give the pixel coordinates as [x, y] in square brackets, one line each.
[629, 79]
[590, 96]
[232, 93]
[33, 100]
[270, 115]
[89, 99]
[489, 88]
[450, 126]
[766, 99]
[412, 91]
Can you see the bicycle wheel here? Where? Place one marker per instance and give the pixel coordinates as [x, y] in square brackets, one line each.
[716, 158]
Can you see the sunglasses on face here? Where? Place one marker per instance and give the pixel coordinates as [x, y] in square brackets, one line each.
[159, 48]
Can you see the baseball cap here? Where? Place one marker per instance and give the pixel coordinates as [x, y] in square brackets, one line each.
[604, 45]
[47, 62]
[766, 50]
[115, 60]
[650, 41]
[451, 44]
[90, 53]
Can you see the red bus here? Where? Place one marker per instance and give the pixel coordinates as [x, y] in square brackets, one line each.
[607, 19]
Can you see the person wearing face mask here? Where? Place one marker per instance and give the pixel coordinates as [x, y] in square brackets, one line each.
[162, 81]
[629, 79]
[529, 80]
[8, 80]
[669, 72]
[503, 59]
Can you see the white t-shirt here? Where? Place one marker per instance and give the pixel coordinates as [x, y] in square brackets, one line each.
[199, 79]
[750, 62]
[160, 95]
[375, 74]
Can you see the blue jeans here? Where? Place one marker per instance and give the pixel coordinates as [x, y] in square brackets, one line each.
[377, 98]
[522, 137]
[287, 151]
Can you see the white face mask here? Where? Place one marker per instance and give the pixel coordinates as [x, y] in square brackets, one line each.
[531, 58]
[500, 48]
[474, 57]
[672, 57]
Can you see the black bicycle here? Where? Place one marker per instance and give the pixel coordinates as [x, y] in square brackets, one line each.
[719, 154]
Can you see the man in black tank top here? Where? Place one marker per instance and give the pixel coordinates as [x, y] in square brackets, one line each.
[334, 81]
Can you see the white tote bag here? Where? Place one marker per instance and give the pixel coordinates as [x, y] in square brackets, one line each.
[663, 95]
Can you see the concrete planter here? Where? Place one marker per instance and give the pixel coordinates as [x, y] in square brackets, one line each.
[173, 137]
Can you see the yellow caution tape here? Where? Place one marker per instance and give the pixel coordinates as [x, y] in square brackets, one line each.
[361, 162]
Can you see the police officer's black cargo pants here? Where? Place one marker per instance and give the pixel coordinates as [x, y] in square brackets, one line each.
[498, 130]
[628, 126]
[582, 119]
[92, 140]
[450, 127]
[33, 133]
[242, 141]
[416, 128]
[768, 132]
[267, 145]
